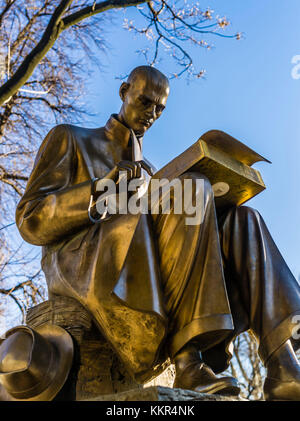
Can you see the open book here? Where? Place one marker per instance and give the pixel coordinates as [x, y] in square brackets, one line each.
[226, 162]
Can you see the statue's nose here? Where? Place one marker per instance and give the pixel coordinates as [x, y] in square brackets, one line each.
[151, 113]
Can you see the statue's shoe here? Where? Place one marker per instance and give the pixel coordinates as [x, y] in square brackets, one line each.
[201, 378]
[282, 382]
[279, 390]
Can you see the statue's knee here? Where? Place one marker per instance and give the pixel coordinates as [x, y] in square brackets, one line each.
[200, 179]
[247, 212]
[194, 175]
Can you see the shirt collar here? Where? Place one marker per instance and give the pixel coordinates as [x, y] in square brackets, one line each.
[117, 132]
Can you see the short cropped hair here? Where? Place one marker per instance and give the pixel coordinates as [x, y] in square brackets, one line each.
[148, 71]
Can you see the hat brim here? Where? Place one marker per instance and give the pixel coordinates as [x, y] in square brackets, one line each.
[63, 343]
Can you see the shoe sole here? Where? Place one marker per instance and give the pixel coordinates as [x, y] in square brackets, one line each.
[228, 388]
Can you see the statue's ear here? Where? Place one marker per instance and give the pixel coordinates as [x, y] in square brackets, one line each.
[123, 90]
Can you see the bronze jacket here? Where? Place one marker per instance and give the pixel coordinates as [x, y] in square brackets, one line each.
[111, 267]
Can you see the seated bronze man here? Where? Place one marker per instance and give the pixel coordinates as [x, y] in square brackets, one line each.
[150, 281]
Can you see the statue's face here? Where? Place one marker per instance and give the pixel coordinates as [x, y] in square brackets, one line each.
[143, 102]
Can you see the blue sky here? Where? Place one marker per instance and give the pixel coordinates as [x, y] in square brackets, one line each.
[248, 92]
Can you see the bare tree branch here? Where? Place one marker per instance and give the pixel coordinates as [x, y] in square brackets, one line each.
[52, 32]
[98, 8]
[9, 4]
[26, 69]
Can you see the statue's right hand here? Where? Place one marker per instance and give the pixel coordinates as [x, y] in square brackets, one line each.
[134, 168]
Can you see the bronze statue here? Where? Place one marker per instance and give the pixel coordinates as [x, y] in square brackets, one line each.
[154, 286]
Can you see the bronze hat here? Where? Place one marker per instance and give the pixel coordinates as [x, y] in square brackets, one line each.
[34, 364]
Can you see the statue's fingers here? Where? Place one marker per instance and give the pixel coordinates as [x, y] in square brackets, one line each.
[135, 168]
[124, 166]
[130, 172]
[138, 170]
[146, 167]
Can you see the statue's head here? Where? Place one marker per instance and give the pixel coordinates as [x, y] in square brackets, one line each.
[144, 97]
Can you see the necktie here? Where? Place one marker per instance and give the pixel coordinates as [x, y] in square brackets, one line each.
[137, 155]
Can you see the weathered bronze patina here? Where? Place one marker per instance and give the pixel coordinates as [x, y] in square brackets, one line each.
[226, 162]
[154, 286]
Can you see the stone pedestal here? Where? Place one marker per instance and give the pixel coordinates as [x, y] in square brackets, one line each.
[97, 373]
[96, 368]
[159, 393]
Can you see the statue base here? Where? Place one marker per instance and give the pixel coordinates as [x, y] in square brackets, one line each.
[160, 393]
[97, 373]
[96, 369]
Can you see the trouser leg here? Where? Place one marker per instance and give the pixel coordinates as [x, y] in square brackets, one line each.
[193, 282]
[263, 294]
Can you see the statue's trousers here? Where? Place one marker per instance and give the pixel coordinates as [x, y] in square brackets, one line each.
[222, 277]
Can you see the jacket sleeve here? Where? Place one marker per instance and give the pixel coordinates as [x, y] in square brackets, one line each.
[51, 208]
